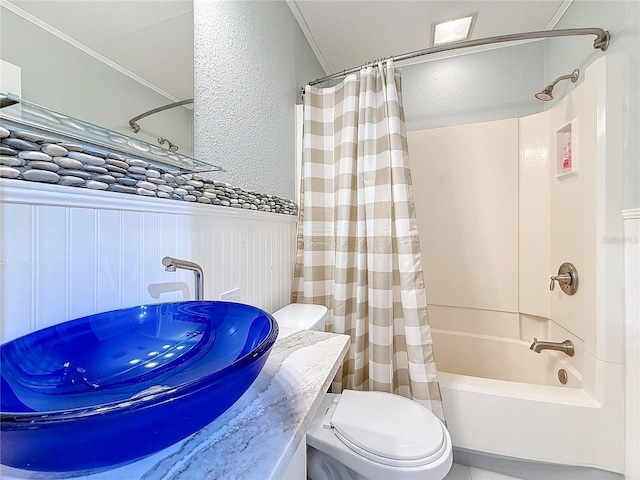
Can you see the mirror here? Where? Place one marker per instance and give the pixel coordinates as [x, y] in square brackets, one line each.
[104, 62]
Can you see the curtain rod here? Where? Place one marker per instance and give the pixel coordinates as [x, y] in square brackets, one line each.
[602, 42]
[133, 122]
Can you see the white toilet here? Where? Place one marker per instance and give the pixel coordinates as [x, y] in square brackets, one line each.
[300, 316]
[369, 435]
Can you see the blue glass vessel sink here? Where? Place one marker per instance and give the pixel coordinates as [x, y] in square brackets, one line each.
[114, 387]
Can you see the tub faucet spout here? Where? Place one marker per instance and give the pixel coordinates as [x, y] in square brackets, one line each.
[171, 264]
[565, 347]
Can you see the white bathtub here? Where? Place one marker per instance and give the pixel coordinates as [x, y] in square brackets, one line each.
[503, 359]
[503, 399]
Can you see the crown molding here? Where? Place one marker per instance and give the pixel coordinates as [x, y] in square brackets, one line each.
[293, 6]
[559, 14]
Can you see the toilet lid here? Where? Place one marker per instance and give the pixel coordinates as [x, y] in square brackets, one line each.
[303, 316]
[388, 428]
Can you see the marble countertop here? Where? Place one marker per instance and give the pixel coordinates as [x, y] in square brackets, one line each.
[257, 437]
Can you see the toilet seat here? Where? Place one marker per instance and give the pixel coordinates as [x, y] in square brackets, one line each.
[328, 454]
[391, 430]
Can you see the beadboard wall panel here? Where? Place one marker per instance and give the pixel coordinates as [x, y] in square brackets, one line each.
[66, 253]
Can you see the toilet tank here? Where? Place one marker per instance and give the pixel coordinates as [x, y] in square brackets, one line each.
[302, 316]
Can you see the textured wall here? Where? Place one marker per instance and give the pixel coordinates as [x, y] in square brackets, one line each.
[565, 54]
[492, 85]
[250, 59]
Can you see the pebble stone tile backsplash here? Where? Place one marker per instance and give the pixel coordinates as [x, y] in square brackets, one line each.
[36, 157]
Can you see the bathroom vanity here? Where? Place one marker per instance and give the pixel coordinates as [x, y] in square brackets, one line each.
[260, 437]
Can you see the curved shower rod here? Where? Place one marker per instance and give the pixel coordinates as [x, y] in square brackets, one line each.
[136, 128]
[601, 42]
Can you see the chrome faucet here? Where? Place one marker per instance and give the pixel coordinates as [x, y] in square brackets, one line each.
[171, 264]
[565, 347]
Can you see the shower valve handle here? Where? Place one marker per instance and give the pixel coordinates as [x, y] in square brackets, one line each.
[567, 279]
[564, 278]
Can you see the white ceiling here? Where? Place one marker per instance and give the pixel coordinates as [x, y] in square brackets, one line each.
[153, 39]
[348, 33]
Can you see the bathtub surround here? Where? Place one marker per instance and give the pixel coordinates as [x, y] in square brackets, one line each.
[358, 249]
[511, 218]
[36, 157]
[480, 185]
[259, 435]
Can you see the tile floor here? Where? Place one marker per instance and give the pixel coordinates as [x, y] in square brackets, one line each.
[462, 472]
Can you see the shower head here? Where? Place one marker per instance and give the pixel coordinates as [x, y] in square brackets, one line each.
[546, 94]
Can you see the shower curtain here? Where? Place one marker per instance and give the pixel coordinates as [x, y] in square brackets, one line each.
[357, 248]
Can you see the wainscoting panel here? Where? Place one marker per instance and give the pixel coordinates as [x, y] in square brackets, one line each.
[66, 253]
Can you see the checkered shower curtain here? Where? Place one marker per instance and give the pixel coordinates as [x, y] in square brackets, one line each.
[357, 249]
